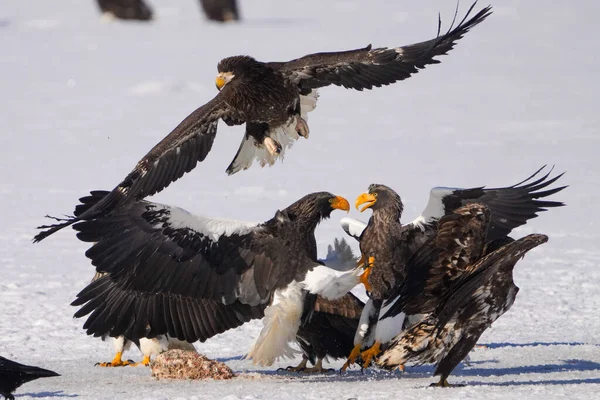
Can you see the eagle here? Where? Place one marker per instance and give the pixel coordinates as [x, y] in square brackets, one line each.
[13, 375]
[272, 99]
[322, 325]
[169, 272]
[386, 244]
[462, 284]
[220, 10]
[126, 9]
[148, 346]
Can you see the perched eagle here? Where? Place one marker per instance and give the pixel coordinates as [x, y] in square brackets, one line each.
[462, 284]
[126, 9]
[386, 245]
[13, 375]
[220, 10]
[272, 99]
[191, 277]
[148, 347]
[322, 325]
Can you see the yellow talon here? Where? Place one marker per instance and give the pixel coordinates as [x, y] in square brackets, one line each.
[352, 357]
[145, 362]
[370, 353]
[116, 362]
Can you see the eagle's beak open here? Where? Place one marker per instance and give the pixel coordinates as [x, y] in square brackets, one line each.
[340, 203]
[222, 79]
[367, 198]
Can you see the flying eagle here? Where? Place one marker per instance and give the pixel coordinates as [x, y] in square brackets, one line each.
[148, 346]
[462, 284]
[220, 10]
[13, 375]
[126, 9]
[272, 99]
[386, 244]
[192, 277]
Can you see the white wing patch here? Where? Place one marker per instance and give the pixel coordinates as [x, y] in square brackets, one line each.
[353, 227]
[285, 135]
[435, 207]
[212, 227]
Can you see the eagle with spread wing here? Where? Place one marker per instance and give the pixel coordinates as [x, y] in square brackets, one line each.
[272, 99]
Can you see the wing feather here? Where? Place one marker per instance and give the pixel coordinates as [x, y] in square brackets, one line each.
[366, 68]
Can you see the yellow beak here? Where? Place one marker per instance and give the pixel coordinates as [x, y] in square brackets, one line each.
[220, 82]
[340, 203]
[367, 198]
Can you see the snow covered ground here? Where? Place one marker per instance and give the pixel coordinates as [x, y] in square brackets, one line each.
[83, 100]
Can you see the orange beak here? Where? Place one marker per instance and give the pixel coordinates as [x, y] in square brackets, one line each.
[340, 203]
[367, 199]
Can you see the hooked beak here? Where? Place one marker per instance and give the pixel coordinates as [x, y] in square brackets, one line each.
[222, 79]
[340, 203]
[367, 198]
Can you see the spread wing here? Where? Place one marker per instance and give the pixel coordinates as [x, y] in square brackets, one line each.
[168, 271]
[169, 160]
[435, 267]
[365, 68]
[510, 206]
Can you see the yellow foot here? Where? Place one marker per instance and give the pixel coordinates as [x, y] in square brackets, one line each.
[481, 346]
[318, 368]
[145, 362]
[444, 383]
[369, 354]
[401, 367]
[302, 127]
[352, 357]
[364, 277]
[116, 362]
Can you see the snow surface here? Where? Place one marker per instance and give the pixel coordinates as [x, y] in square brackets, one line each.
[83, 100]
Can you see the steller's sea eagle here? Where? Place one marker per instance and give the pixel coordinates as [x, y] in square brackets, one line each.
[461, 283]
[272, 98]
[386, 244]
[220, 10]
[13, 375]
[126, 9]
[192, 277]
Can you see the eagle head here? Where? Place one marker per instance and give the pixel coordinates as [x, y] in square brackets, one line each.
[315, 207]
[380, 197]
[237, 66]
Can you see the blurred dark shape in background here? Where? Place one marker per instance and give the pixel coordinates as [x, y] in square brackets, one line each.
[220, 10]
[126, 9]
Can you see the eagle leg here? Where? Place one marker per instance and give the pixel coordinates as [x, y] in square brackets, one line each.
[302, 127]
[364, 277]
[273, 147]
[298, 368]
[145, 362]
[352, 357]
[369, 354]
[444, 383]
[318, 368]
[116, 362]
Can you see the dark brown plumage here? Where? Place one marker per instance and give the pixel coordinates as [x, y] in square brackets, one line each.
[272, 99]
[191, 277]
[220, 10]
[462, 284]
[126, 9]
[13, 375]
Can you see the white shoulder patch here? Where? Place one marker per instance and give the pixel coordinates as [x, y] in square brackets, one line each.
[211, 227]
[353, 227]
[330, 283]
[435, 207]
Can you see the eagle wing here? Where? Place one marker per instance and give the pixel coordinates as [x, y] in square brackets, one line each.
[433, 269]
[175, 155]
[510, 206]
[169, 271]
[365, 68]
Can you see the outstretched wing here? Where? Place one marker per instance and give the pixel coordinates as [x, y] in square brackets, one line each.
[157, 256]
[169, 160]
[436, 266]
[510, 206]
[365, 68]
